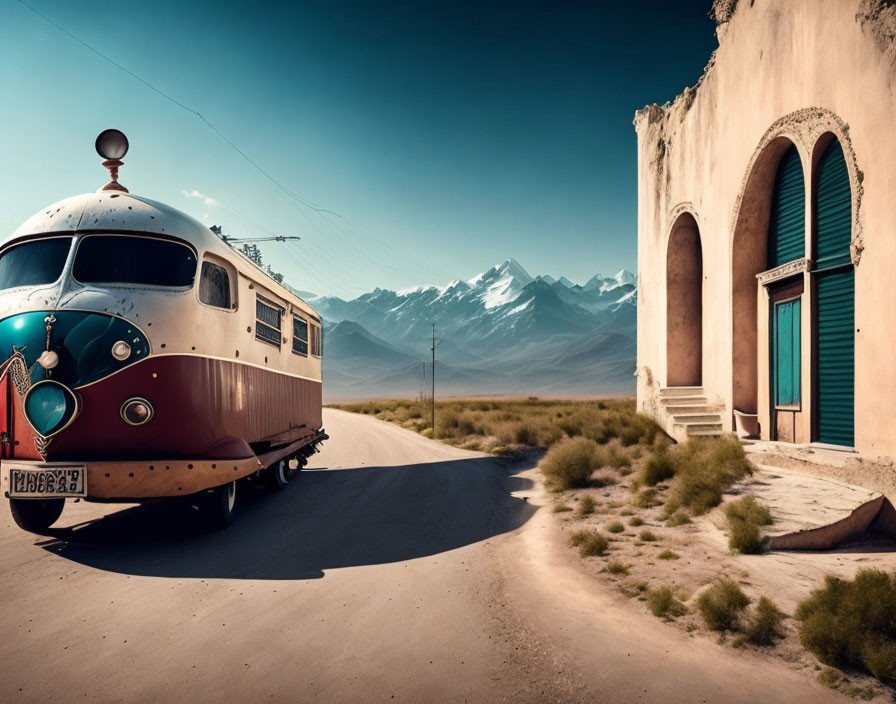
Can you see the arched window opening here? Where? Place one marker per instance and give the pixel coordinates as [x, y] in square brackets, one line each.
[684, 304]
[770, 223]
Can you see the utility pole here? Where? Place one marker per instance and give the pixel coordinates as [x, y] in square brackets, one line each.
[433, 379]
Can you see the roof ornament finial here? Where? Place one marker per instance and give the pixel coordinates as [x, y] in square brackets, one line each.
[112, 145]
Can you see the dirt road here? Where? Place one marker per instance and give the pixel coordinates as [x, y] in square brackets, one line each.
[394, 569]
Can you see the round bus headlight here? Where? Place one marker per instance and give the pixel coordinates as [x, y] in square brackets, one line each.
[136, 411]
[121, 350]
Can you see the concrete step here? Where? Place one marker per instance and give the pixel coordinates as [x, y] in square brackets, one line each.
[684, 400]
[671, 391]
[689, 418]
[705, 433]
[703, 428]
[678, 408]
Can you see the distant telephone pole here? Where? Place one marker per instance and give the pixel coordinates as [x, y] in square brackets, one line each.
[433, 379]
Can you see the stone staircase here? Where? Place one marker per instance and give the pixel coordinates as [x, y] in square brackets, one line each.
[689, 413]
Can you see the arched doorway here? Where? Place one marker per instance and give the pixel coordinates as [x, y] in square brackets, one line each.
[769, 232]
[833, 276]
[684, 304]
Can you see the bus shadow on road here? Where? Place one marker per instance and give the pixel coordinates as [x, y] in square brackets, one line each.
[323, 519]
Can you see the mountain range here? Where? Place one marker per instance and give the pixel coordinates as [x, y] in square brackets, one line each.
[502, 332]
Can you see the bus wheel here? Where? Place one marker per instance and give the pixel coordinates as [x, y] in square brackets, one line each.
[220, 505]
[278, 474]
[35, 515]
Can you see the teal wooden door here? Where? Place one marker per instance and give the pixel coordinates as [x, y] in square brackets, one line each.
[835, 296]
[786, 358]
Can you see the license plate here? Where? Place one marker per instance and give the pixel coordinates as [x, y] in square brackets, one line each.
[47, 482]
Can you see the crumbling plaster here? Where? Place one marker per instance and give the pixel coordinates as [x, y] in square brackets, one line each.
[794, 69]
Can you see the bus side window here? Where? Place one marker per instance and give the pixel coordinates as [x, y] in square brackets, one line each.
[316, 341]
[300, 335]
[214, 286]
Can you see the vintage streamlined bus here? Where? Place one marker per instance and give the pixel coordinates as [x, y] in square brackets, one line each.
[144, 358]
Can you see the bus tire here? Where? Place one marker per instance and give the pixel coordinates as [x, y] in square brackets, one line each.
[35, 515]
[219, 506]
[278, 475]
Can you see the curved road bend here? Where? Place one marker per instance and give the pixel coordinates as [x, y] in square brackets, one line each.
[396, 569]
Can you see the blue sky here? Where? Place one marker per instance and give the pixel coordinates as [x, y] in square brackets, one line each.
[448, 135]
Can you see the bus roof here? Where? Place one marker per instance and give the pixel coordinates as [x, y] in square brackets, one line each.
[116, 211]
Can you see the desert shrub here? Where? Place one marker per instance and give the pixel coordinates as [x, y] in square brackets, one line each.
[615, 527]
[570, 463]
[586, 505]
[680, 518]
[745, 516]
[589, 542]
[616, 457]
[722, 604]
[704, 469]
[750, 510]
[645, 499]
[647, 536]
[668, 555]
[852, 623]
[562, 508]
[662, 602]
[658, 468]
[636, 521]
[763, 625]
[616, 567]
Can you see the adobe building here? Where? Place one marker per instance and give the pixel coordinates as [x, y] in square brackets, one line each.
[767, 231]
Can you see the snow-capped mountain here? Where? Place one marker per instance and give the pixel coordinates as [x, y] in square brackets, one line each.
[503, 331]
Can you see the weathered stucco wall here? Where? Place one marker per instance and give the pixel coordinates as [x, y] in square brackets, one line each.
[786, 71]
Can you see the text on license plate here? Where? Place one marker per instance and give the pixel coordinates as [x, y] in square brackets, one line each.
[59, 481]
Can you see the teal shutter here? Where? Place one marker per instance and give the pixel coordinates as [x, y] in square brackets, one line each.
[787, 223]
[835, 295]
[787, 353]
[834, 210]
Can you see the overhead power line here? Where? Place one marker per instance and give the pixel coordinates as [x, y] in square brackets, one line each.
[296, 198]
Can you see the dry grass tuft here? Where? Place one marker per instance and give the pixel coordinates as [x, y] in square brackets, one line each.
[562, 508]
[615, 527]
[722, 604]
[616, 567]
[663, 603]
[852, 624]
[570, 463]
[679, 518]
[635, 521]
[658, 468]
[764, 624]
[668, 555]
[589, 542]
[704, 469]
[586, 506]
[647, 536]
[745, 516]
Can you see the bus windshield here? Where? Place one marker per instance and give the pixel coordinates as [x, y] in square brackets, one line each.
[35, 263]
[123, 259]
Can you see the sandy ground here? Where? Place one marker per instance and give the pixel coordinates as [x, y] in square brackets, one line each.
[395, 569]
[699, 552]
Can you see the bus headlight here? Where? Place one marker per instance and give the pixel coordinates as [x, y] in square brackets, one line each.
[136, 411]
[121, 350]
